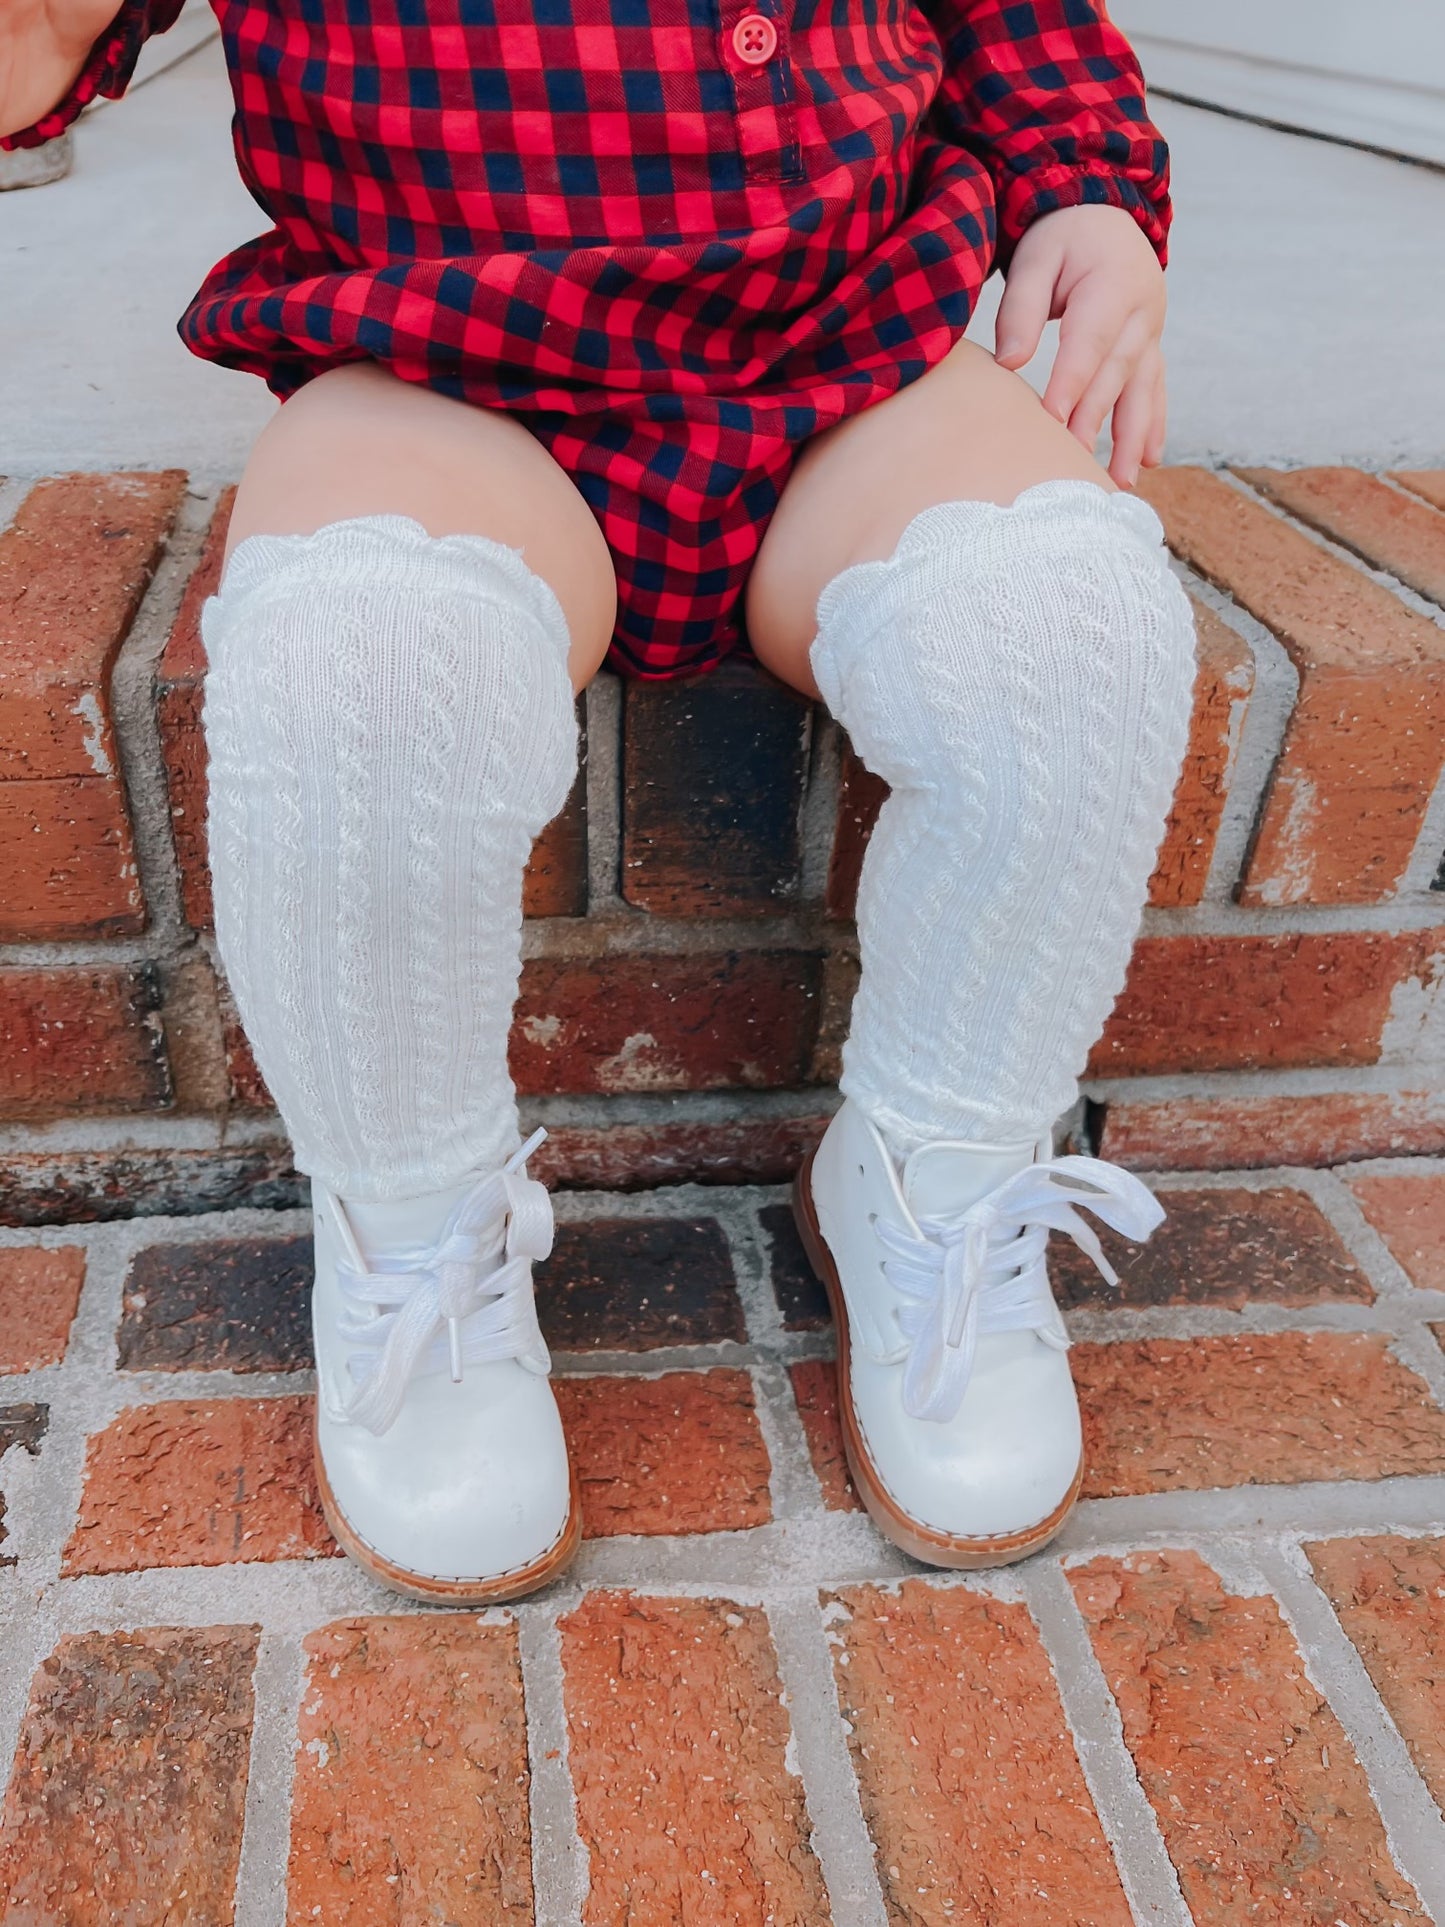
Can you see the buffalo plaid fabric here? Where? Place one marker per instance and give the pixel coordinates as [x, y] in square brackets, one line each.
[673, 263]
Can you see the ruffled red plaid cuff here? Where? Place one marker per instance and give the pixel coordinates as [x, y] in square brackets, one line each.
[107, 71]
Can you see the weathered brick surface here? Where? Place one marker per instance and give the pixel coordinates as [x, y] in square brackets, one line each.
[1204, 1003]
[1390, 1595]
[129, 1789]
[971, 1787]
[179, 685]
[1392, 531]
[815, 1388]
[1223, 1248]
[665, 1023]
[81, 1040]
[1223, 684]
[678, 1453]
[796, 1286]
[678, 1745]
[1276, 1408]
[556, 881]
[22, 1427]
[39, 1291]
[191, 1483]
[73, 567]
[74, 1187]
[1261, 1802]
[1365, 743]
[234, 1304]
[1408, 1211]
[1245, 1133]
[632, 1284]
[745, 1148]
[410, 1802]
[713, 788]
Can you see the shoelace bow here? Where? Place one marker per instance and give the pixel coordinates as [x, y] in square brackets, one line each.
[983, 1271]
[465, 1301]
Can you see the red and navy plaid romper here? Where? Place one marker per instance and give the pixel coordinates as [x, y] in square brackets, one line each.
[675, 237]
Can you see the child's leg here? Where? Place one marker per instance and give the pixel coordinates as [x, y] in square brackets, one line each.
[390, 720]
[1021, 676]
[1001, 635]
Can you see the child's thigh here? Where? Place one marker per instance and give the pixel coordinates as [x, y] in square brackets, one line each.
[968, 430]
[358, 441]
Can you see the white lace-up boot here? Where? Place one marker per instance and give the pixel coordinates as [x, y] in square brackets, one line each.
[959, 1414]
[440, 1456]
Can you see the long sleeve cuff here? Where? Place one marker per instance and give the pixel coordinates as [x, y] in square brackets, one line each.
[108, 69]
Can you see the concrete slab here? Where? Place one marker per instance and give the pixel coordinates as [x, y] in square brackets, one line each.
[1307, 287]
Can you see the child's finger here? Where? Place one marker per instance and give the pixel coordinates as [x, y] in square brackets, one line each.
[1090, 329]
[1133, 420]
[1028, 295]
[1159, 420]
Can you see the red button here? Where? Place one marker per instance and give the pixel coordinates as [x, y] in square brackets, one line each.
[755, 39]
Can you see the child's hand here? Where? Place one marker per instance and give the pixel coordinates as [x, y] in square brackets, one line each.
[1094, 267]
[43, 47]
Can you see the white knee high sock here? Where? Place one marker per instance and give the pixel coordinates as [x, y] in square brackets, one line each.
[390, 722]
[1022, 677]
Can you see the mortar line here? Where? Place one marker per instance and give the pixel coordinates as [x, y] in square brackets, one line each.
[841, 1841]
[604, 793]
[560, 1871]
[1414, 1826]
[261, 1878]
[1339, 1205]
[1130, 1825]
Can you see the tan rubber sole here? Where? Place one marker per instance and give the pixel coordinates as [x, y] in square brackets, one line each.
[922, 1542]
[453, 1592]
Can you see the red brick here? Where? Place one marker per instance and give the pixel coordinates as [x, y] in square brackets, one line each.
[180, 677]
[665, 1023]
[192, 1483]
[73, 567]
[1409, 1213]
[677, 1741]
[1207, 1003]
[1262, 1804]
[797, 1288]
[744, 1148]
[635, 1284]
[81, 1040]
[1278, 1408]
[410, 1802]
[556, 880]
[971, 1787]
[39, 1293]
[72, 1187]
[713, 772]
[815, 1387]
[228, 1305]
[1365, 745]
[1245, 1133]
[1427, 483]
[1390, 1595]
[1391, 531]
[1222, 688]
[1228, 1249]
[129, 1790]
[861, 795]
[679, 1453]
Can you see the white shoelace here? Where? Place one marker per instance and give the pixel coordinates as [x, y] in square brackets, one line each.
[467, 1300]
[983, 1271]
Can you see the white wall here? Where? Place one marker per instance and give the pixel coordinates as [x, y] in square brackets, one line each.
[1366, 72]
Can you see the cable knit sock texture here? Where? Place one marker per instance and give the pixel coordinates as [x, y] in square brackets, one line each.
[1022, 677]
[390, 722]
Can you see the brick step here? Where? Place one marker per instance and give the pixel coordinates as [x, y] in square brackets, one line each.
[689, 912]
[1215, 1700]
